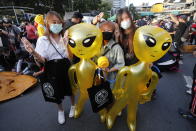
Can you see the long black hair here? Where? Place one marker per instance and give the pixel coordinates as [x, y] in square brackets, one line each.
[122, 34]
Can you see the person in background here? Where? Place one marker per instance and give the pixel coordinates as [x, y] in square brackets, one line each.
[193, 34]
[3, 36]
[31, 33]
[52, 51]
[8, 34]
[127, 30]
[75, 19]
[22, 28]
[26, 64]
[191, 114]
[141, 22]
[161, 24]
[181, 26]
[169, 25]
[13, 34]
[112, 51]
[7, 59]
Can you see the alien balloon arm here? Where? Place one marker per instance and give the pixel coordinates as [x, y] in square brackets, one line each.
[146, 96]
[120, 79]
[72, 73]
[153, 84]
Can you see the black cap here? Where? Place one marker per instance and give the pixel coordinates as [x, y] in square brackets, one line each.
[77, 15]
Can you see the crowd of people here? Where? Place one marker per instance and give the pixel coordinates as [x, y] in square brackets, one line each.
[25, 51]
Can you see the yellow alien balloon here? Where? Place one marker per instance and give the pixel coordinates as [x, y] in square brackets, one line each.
[150, 44]
[85, 42]
[39, 20]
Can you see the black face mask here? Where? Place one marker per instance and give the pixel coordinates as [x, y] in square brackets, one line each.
[107, 35]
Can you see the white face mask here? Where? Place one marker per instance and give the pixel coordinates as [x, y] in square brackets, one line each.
[56, 28]
[125, 24]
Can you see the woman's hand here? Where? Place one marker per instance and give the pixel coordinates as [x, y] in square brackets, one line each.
[28, 46]
[65, 37]
[106, 70]
[97, 18]
[112, 69]
[117, 32]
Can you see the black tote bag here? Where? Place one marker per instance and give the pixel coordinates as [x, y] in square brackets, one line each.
[100, 95]
[48, 83]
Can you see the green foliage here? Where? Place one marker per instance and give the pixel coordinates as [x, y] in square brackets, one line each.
[85, 5]
[43, 6]
[105, 7]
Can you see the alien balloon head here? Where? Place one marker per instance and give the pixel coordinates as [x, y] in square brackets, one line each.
[84, 40]
[151, 43]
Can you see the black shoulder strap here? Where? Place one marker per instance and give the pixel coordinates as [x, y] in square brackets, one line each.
[56, 49]
[109, 49]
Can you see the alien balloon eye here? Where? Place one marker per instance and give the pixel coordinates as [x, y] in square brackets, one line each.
[72, 43]
[150, 41]
[88, 41]
[166, 45]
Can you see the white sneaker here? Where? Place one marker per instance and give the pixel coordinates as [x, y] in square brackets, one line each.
[189, 81]
[188, 86]
[180, 62]
[71, 113]
[189, 91]
[61, 117]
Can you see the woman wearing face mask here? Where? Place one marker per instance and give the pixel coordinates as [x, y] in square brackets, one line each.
[127, 30]
[54, 53]
[112, 51]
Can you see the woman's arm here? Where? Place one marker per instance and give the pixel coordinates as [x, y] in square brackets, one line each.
[113, 69]
[174, 19]
[38, 57]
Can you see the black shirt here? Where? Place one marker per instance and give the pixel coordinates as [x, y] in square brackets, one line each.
[141, 23]
[180, 31]
[68, 24]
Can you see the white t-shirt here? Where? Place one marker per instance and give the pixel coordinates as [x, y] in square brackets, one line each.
[46, 50]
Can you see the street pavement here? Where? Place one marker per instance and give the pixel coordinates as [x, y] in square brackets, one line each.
[29, 112]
